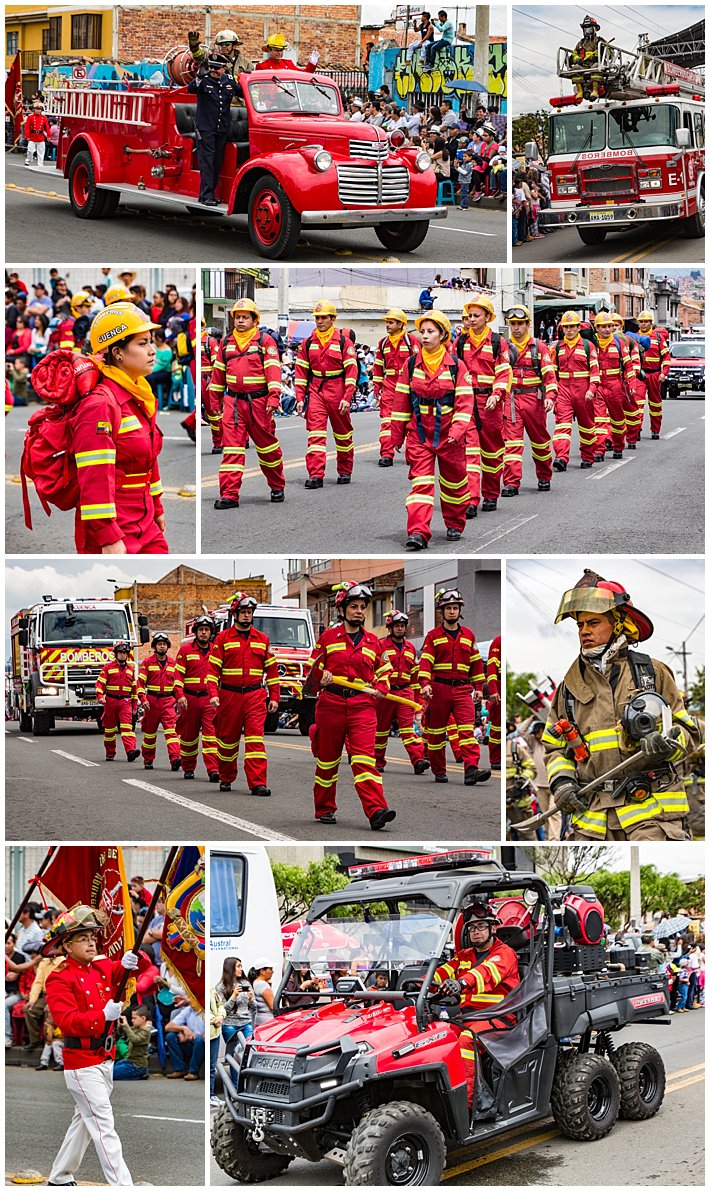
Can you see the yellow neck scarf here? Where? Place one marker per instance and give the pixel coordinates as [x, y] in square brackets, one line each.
[244, 338]
[478, 337]
[324, 337]
[604, 342]
[432, 360]
[573, 342]
[139, 388]
[394, 339]
[521, 344]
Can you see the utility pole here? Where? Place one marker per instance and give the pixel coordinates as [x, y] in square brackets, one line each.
[303, 583]
[635, 887]
[283, 315]
[683, 653]
[480, 52]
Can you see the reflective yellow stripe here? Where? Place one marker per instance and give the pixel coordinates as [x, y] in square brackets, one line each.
[95, 458]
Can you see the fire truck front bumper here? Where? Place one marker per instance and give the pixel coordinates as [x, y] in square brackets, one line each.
[370, 215]
[616, 216]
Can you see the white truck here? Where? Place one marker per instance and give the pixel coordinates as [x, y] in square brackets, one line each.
[58, 649]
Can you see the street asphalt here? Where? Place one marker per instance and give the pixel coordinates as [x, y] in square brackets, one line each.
[562, 246]
[151, 231]
[60, 785]
[666, 1151]
[643, 498]
[55, 535]
[160, 1123]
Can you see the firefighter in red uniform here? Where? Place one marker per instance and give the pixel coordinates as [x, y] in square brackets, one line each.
[343, 715]
[493, 683]
[211, 404]
[432, 410]
[617, 380]
[326, 374]
[116, 690]
[156, 680]
[247, 379]
[656, 365]
[116, 442]
[481, 973]
[84, 1001]
[195, 711]
[530, 400]
[577, 366]
[275, 47]
[391, 357]
[72, 330]
[241, 663]
[487, 359]
[635, 393]
[402, 657]
[451, 676]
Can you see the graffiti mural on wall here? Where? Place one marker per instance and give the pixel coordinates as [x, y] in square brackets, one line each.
[454, 66]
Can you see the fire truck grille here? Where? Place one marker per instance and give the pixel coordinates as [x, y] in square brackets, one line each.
[363, 186]
[372, 150]
[607, 181]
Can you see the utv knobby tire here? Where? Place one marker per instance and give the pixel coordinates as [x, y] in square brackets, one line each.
[642, 1079]
[87, 201]
[585, 1097]
[402, 237]
[240, 1157]
[371, 1150]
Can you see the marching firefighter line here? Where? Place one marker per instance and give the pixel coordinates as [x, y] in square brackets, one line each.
[216, 692]
[459, 406]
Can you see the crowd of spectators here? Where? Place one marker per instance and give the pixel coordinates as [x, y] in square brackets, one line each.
[159, 1018]
[39, 317]
[531, 195]
[238, 1003]
[680, 957]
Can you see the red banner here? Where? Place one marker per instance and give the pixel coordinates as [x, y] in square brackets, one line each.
[95, 877]
[183, 943]
[13, 96]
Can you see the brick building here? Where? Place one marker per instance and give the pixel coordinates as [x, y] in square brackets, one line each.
[152, 30]
[180, 594]
[311, 581]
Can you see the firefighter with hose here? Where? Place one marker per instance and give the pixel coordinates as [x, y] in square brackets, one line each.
[616, 708]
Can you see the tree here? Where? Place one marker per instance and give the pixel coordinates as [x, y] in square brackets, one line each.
[614, 893]
[695, 895]
[517, 684]
[565, 866]
[531, 127]
[661, 891]
[696, 692]
[296, 886]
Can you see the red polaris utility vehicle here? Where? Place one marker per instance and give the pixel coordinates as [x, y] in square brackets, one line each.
[373, 1079]
[293, 161]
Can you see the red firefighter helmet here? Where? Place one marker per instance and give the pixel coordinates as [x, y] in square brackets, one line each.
[449, 595]
[241, 599]
[592, 593]
[70, 922]
[121, 645]
[395, 617]
[349, 590]
[204, 620]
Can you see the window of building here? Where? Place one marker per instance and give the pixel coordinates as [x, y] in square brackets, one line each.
[86, 31]
[13, 43]
[379, 610]
[415, 612]
[52, 36]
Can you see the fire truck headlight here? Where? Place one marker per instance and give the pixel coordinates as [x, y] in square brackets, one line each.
[48, 690]
[423, 161]
[322, 160]
[650, 179]
[567, 184]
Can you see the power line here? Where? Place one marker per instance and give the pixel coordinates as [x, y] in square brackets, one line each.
[674, 578]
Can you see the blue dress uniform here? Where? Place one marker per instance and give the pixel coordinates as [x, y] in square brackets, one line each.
[213, 123]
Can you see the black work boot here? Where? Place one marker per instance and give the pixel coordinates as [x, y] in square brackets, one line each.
[473, 775]
[223, 503]
[421, 766]
[261, 792]
[313, 482]
[381, 818]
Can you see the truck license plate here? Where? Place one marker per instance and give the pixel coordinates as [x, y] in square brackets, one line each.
[601, 216]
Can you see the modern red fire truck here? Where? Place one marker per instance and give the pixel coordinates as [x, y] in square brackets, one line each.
[632, 156]
[292, 162]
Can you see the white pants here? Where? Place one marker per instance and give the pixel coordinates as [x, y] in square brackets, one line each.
[35, 147]
[92, 1121]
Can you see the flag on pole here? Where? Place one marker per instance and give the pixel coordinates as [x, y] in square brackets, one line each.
[96, 877]
[13, 96]
[183, 942]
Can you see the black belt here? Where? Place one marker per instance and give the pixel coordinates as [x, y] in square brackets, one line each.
[522, 392]
[85, 1043]
[199, 693]
[454, 681]
[343, 692]
[240, 690]
[483, 392]
[126, 696]
[247, 394]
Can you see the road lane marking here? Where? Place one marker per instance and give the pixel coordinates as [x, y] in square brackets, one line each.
[501, 533]
[638, 252]
[599, 475]
[686, 1071]
[465, 231]
[290, 464]
[199, 808]
[143, 1116]
[678, 430]
[72, 757]
[676, 1087]
[305, 748]
[22, 739]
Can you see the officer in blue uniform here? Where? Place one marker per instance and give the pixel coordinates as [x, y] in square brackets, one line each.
[215, 90]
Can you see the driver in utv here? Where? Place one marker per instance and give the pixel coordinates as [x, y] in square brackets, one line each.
[481, 973]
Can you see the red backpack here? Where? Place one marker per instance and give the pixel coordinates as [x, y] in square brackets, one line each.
[60, 379]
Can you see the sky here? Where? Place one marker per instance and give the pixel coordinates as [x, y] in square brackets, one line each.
[670, 591]
[534, 53]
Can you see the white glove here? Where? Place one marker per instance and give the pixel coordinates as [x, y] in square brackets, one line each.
[112, 1010]
[129, 961]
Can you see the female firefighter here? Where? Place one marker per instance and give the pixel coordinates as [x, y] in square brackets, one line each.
[116, 441]
[615, 703]
[432, 411]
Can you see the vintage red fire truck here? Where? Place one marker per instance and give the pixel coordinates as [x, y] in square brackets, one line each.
[293, 161]
[634, 155]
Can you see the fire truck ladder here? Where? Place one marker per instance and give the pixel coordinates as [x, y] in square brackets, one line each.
[627, 74]
[125, 107]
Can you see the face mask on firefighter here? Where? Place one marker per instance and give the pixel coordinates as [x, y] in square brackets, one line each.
[644, 714]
